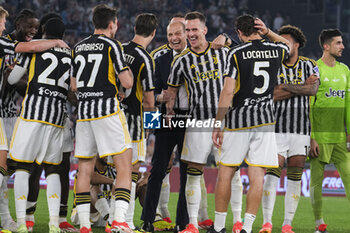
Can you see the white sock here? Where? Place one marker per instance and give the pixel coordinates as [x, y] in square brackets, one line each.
[248, 222]
[220, 220]
[129, 217]
[30, 217]
[4, 201]
[291, 200]
[269, 197]
[236, 197]
[102, 207]
[162, 207]
[84, 215]
[203, 212]
[319, 222]
[121, 207]
[111, 210]
[53, 193]
[193, 197]
[62, 219]
[21, 195]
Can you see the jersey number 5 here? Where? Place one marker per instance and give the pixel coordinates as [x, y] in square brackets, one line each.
[259, 71]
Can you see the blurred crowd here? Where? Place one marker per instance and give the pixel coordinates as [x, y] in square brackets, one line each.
[77, 15]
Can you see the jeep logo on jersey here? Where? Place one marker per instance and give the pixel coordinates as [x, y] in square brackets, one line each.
[335, 93]
[151, 120]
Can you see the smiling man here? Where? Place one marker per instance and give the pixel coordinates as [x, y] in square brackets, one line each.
[328, 136]
[200, 68]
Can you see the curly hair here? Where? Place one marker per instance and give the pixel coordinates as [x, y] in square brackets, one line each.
[295, 32]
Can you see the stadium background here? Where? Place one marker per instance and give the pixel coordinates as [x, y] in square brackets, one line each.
[310, 15]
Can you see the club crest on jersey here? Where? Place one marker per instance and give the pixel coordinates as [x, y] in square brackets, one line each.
[335, 93]
[151, 120]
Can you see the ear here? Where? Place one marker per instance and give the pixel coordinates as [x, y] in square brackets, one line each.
[296, 45]
[325, 46]
[205, 30]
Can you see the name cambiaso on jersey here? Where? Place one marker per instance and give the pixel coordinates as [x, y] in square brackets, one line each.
[97, 60]
[202, 75]
[48, 83]
[292, 114]
[142, 67]
[255, 66]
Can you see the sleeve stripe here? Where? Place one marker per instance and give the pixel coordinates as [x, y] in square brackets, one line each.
[117, 50]
[148, 81]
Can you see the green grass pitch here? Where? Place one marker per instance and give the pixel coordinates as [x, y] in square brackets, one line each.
[336, 214]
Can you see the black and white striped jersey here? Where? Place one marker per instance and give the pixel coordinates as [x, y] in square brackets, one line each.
[142, 67]
[292, 115]
[47, 89]
[9, 95]
[160, 51]
[202, 75]
[7, 46]
[255, 67]
[97, 61]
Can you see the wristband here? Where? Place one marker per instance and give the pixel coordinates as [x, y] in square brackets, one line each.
[348, 144]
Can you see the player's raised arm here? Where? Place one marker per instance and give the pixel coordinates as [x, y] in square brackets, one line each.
[265, 31]
[39, 46]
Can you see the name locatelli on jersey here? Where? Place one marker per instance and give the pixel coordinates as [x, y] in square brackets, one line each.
[266, 54]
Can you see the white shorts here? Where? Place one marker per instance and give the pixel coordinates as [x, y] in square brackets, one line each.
[3, 136]
[197, 145]
[34, 141]
[105, 137]
[9, 126]
[68, 145]
[289, 144]
[256, 146]
[139, 151]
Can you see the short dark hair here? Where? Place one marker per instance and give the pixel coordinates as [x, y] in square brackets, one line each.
[327, 35]
[195, 15]
[246, 24]
[102, 15]
[145, 24]
[294, 32]
[25, 14]
[54, 28]
[43, 21]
